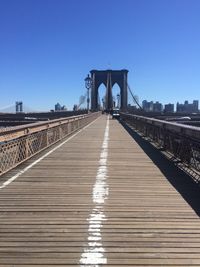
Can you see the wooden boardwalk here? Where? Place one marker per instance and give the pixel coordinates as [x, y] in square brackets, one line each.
[98, 200]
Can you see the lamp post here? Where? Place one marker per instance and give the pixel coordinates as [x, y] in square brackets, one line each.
[88, 84]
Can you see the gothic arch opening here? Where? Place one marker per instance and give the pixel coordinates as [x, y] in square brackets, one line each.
[116, 95]
[102, 96]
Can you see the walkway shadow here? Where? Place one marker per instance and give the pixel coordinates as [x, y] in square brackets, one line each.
[180, 180]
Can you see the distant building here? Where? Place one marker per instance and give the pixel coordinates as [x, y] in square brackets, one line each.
[196, 105]
[180, 107]
[58, 107]
[151, 106]
[75, 108]
[169, 108]
[147, 106]
[64, 108]
[157, 107]
[188, 107]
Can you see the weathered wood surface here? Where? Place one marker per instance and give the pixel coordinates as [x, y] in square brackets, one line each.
[44, 212]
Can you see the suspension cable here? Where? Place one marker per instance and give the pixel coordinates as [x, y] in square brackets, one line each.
[134, 98]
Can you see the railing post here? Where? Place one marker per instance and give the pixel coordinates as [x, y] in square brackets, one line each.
[47, 135]
[60, 131]
[26, 147]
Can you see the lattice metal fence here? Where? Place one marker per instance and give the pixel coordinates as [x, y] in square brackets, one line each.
[18, 144]
[182, 141]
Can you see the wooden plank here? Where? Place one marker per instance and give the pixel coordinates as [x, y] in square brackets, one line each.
[44, 214]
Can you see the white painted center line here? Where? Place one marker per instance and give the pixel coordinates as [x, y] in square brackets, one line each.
[93, 254]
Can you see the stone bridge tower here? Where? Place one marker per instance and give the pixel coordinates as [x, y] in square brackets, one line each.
[109, 78]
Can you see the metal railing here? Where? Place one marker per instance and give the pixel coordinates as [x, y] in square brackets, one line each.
[20, 143]
[182, 141]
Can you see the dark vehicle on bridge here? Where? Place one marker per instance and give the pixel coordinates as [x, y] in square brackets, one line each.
[115, 114]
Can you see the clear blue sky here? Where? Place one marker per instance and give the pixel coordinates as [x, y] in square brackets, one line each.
[47, 47]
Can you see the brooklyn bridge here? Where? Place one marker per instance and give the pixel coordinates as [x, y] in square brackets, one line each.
[85, 189]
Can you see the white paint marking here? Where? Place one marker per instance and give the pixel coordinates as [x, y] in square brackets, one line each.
[93, 254]
[41, 158]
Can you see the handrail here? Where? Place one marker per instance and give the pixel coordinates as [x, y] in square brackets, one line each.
[10, 133]
[182, 141]
[19, 143]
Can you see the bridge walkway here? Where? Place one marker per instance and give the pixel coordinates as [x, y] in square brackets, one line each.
[97, 200]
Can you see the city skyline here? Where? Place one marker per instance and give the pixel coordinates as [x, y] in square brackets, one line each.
[146, 105]
[48, 47]
[157, 106]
